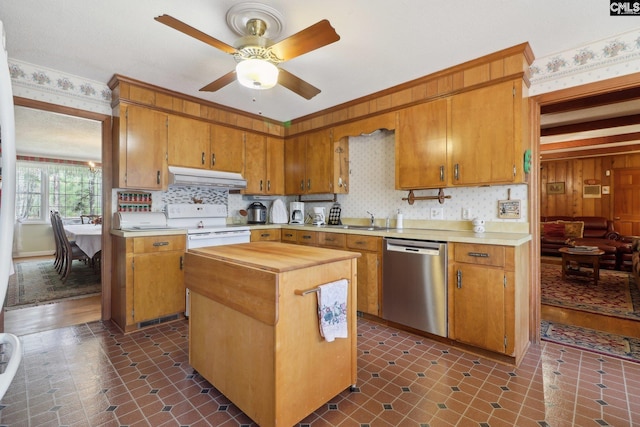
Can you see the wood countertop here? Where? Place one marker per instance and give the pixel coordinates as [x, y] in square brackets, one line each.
[274, 256]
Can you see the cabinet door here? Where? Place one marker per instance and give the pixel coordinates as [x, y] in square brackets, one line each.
[188, 143]
[482, 145]
[255, 159]
[319, 163]
[146, 148]
[479, 306]
[368, 283]
[421, 146]
[227, 149]
[158, 285]
[295, 152]
[275, 166]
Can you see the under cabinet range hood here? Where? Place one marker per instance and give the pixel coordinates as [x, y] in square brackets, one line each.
[179, 176]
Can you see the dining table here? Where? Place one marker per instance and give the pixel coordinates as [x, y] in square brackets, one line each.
[88, 237]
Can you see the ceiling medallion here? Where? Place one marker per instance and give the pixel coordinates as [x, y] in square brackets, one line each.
[239, 15]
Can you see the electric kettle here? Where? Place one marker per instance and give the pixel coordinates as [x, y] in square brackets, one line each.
[256, 213]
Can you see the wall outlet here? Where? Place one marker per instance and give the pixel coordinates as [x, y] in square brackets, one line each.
[466, 213]
[437, 213]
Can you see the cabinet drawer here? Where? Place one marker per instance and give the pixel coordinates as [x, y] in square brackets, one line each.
[333, 240]
[480, 254]
[289, 236]
[265, 235]
[307, 237]
[364, 243]
[159, 244]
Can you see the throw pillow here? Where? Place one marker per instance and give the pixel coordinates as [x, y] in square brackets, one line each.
[573, 229]
[553, 230]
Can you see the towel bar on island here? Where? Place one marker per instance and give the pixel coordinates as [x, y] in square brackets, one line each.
[309, 291]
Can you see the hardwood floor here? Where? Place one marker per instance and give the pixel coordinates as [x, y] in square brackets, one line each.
[45, 317]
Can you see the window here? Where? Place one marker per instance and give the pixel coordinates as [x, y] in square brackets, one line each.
[71, 189]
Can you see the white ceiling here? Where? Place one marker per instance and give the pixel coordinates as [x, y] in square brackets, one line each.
[383, 43]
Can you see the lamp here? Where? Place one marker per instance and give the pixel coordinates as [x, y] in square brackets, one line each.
[257, 73]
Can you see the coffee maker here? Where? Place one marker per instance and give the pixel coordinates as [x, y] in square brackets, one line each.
[296, 213]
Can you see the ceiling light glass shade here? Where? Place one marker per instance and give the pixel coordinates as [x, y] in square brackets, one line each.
[257, 74]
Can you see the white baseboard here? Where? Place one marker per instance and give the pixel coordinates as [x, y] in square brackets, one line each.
[32, 254]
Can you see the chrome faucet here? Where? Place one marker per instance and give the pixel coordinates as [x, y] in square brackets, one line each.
[373, 220]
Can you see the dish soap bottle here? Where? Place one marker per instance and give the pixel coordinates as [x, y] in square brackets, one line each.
[399, 219]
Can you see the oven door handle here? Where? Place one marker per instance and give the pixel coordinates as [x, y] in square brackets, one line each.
[219, 234]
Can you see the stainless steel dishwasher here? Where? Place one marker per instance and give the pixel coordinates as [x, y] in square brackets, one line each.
[414, 284]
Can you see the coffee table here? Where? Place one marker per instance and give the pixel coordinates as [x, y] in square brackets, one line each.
[579, 258]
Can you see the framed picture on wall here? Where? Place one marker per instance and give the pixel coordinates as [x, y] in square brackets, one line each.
[591, 191]
[555, 188]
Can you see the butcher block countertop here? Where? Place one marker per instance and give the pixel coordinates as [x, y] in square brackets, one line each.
[275, 257]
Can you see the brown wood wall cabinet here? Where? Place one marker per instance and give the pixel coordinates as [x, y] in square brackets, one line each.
[264, 165]
[489, 297]
[149, 279]
[140, 148]
[486, 123]
[471, 138]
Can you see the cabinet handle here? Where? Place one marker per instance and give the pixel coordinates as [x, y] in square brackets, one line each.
[309, 184]
[441, 173]
[478, 254]
[329, 239]
[459, 279]
[181, 262]
[260, 185]
[456, 171]
[306, 237]
[288, 235]
[265, 235]
[213, 159]
[158, 177]
[302, 185]
[157, 244]
[203, 158]
[268, 185]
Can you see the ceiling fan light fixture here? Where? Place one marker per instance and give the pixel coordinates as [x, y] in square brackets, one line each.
[257, 74]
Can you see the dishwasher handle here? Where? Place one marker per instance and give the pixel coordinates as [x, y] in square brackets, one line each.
[413, 249]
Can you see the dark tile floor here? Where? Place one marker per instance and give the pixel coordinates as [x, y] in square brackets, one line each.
[93, 375]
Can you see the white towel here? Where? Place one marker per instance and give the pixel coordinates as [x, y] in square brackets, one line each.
[332, 309]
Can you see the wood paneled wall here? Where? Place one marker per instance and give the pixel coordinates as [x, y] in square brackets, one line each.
[574, 172]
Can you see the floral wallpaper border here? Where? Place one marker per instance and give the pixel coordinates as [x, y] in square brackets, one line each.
[44, 84]
[614, 56]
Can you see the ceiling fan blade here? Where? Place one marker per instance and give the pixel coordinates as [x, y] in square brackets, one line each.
[220, 83]
[297, 85]
[190, 31]
[311, 38]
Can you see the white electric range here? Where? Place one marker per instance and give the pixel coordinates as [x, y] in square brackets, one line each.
[206, 225]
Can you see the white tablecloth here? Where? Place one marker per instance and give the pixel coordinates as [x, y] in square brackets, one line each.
[88, 237]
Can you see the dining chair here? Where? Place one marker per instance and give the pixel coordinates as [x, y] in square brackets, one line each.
[58, 261]
[71, 250]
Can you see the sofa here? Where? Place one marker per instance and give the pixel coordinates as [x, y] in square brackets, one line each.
[635, 261]
[564, 231]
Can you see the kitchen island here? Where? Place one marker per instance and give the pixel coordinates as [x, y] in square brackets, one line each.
[254, 331]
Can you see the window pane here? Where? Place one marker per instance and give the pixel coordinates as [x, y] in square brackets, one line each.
[72, 190]
[75, 190]
[28, 192]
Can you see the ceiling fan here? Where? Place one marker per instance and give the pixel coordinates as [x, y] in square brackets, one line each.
[257, 56]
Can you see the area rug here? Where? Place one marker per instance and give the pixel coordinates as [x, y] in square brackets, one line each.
[37, 282]
[592, 340]
[616, 293]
